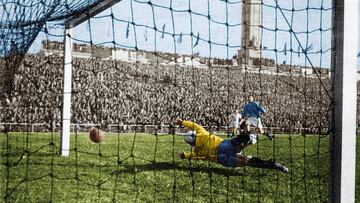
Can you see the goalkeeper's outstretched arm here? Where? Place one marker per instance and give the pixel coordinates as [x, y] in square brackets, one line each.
[190, 125]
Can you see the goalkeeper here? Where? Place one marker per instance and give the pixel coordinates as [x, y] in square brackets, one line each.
[228, 152]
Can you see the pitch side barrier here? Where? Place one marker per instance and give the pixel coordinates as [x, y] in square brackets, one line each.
[152, 129]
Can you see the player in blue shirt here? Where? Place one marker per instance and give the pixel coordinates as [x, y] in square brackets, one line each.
[251, 114]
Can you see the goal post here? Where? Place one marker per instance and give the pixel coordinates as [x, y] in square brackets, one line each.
[70, 24]
[343, 117]
[66, 111]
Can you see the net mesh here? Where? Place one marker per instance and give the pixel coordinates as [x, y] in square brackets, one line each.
[138, 66]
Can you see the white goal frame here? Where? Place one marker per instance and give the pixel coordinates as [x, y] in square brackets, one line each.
[345, 38]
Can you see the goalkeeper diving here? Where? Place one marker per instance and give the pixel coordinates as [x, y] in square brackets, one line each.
[227, 152]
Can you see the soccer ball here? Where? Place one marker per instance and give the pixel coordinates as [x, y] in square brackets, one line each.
[96, 135]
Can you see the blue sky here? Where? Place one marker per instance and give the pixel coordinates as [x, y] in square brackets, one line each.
[312, 27]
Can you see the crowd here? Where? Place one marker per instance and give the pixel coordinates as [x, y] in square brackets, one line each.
[112, 92]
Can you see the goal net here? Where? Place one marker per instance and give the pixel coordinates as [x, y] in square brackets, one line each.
[136, 67]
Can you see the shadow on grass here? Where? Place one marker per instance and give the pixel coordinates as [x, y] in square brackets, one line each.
[166, 166]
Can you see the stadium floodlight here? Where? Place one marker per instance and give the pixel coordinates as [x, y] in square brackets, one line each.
[343, 120]
[66, 107]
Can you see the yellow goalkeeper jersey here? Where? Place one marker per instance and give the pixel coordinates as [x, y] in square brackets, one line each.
[206, 144]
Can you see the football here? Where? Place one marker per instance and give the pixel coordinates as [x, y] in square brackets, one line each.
[96, 135]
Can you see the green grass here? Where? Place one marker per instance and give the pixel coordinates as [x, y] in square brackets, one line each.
[146, 168]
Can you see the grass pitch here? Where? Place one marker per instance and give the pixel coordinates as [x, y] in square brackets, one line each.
[147, 168]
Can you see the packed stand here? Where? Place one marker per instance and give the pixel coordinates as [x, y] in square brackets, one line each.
[113, 92]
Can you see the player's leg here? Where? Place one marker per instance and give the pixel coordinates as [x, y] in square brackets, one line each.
[236, 131]
[232, 130]
[269, 164]
[248, 128]
[261, 130]
[242, 125]
[248, 124]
